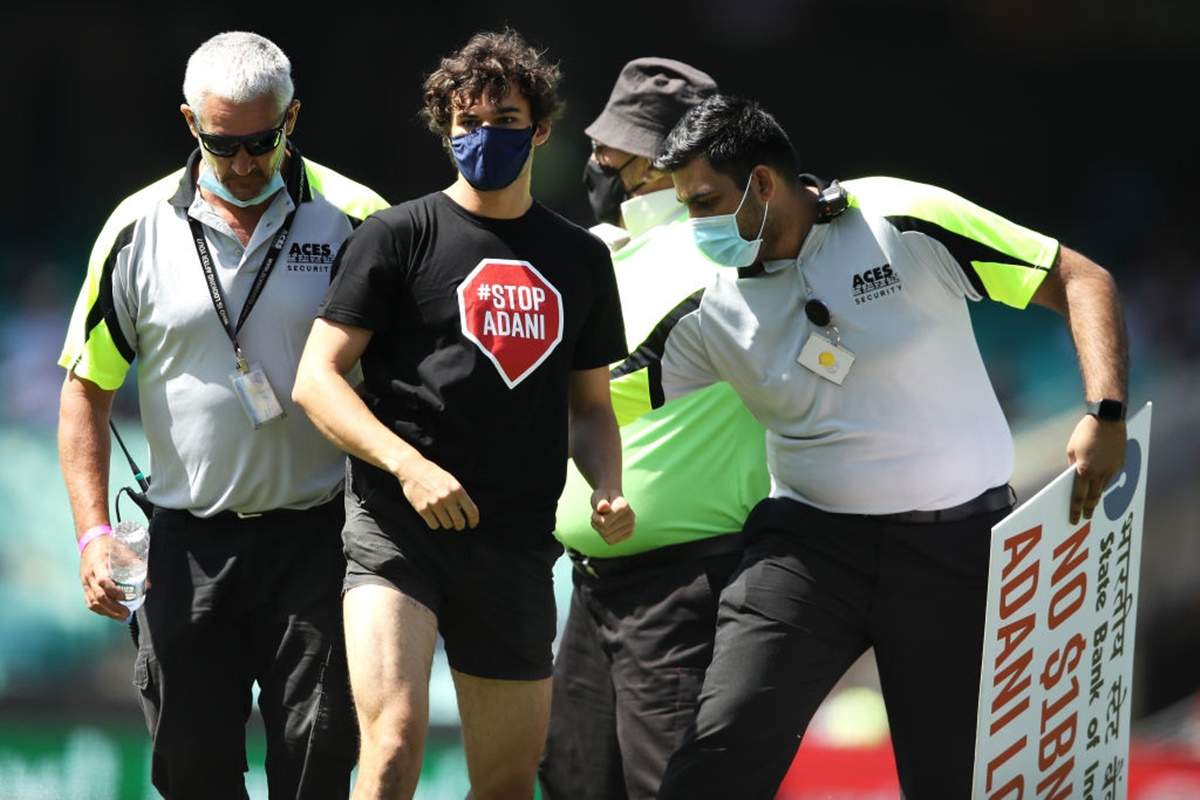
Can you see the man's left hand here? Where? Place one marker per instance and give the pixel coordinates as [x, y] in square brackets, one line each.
[612, 516]
[1097, 449]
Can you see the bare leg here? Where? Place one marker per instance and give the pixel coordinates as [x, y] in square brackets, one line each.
[504, 732]
[389, 643]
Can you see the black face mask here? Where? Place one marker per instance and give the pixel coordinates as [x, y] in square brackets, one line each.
[605, 190]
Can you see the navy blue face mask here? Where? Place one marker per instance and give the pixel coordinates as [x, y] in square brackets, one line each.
[491, 158]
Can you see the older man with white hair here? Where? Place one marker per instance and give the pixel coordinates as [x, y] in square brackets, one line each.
[210, 277]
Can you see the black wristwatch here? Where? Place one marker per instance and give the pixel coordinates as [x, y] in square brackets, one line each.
[1107, 410]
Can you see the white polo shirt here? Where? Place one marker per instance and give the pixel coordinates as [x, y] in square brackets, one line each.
[916, 424]
[145, 299]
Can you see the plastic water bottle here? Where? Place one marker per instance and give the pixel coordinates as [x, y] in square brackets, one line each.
[127, 557]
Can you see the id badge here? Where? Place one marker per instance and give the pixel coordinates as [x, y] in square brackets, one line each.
[258, 399]
[829, 360]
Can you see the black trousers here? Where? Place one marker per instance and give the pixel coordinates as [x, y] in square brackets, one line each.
[812, 593]
[629, 670]
[236, 601]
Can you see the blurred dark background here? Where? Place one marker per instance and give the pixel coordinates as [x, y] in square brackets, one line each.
[1073, 118]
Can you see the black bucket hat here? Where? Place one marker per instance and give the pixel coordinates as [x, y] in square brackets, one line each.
[650, 96]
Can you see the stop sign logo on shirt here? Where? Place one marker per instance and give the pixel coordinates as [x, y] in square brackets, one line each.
[513, 314]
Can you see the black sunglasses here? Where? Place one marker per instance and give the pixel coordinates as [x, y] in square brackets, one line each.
[256, 144]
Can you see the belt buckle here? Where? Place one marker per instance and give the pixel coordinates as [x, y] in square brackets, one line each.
[241, 515]
[585, 564]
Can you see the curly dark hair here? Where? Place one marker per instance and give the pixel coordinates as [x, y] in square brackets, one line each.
[484, 69]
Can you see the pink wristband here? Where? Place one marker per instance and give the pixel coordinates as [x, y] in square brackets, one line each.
[91, 533]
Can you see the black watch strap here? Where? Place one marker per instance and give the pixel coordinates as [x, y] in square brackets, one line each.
[1107, 410]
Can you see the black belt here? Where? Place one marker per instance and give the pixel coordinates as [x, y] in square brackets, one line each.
[235, 517]
[997, 498]
[597, 567]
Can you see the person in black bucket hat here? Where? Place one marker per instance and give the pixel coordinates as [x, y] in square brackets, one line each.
[650, 96]
[640, 629]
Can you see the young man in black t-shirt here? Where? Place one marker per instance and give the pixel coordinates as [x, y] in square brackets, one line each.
[485, 324]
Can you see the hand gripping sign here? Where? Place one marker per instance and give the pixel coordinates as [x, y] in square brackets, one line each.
[513, 314]
[1058, 641]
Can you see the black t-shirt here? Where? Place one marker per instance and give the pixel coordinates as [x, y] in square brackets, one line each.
[477, 324]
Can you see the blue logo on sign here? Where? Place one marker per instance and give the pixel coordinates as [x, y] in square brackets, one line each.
[1119, 499]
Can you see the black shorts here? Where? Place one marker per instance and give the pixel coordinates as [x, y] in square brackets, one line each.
[494, 603]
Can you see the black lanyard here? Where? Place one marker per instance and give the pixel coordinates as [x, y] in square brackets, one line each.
[260, 280]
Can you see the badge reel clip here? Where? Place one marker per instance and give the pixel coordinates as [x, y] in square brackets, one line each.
[822, 354]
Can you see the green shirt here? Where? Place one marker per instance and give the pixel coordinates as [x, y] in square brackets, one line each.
[693, 468]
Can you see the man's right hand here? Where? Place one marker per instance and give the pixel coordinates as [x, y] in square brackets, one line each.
[436, 495]
[101, 594]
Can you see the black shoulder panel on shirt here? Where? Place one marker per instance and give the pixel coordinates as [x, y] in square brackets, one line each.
[649, 353]
[102, 308]
[963, 249]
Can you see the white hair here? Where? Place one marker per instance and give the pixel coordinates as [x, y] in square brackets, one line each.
[238, 67]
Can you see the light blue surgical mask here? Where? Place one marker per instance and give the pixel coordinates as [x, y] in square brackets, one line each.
[719, 239]
[210, 182]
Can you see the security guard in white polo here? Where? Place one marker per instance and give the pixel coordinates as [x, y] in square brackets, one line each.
[212, 294]
[849, 339]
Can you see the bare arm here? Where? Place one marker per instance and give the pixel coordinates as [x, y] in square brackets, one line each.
[596, 448]
[344, 419]
[83, 455]
[1085, 293]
